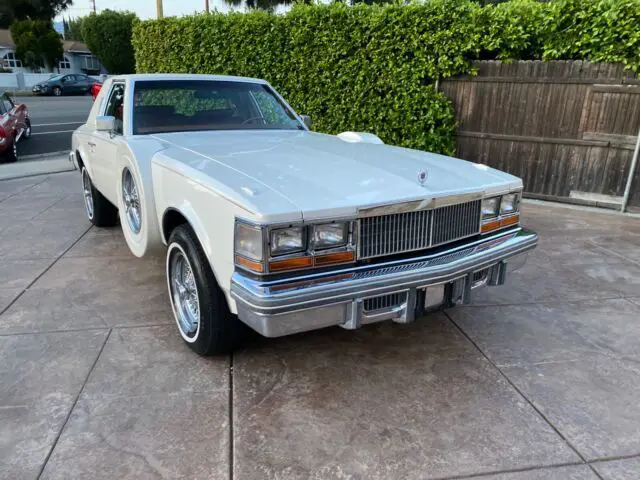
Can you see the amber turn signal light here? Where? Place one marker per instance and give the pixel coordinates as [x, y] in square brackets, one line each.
[333, 258]
[499, 223]
[252, 265]
[290, 264]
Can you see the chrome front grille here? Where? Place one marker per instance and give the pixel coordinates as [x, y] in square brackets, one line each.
[455, 221]
[410, 231]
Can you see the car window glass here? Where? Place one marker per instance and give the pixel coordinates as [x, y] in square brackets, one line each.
[2, 110]
[69, 79]
[7, 103]
[114, 106]
[190, 105]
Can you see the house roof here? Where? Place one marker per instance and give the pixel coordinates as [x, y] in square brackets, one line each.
[67, 45]
[5, 38]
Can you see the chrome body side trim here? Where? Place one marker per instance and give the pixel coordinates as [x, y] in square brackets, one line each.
[307, 302]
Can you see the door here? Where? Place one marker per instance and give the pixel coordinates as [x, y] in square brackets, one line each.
[7, 120]
[83, 83]
[69, 84]
[15, 112]
[104, 146]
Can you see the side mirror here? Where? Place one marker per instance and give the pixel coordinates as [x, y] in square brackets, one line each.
[105, 123]
[307, 120]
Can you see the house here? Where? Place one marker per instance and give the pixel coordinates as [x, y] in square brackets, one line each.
[77, 57]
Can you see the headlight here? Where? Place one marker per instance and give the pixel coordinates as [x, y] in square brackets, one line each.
[330, 235]
[509, 204]
[287, 240]
[248, 241]
[490, 207]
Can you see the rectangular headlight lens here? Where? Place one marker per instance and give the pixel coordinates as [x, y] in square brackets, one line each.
[330, 235]
[509, 204]
[490, 207]
[248, 241]
[287, 240]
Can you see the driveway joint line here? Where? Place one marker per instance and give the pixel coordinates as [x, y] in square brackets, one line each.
[615, 457]
[511, 470]
[73, 406]
[24, 189]
[515, 387]
[43, 272]
[615, 254]
[542, 302]
[231, 450]
[86, 329]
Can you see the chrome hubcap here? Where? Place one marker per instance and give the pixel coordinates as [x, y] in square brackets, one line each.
[184, 293]
[88, 197]
[131, 201]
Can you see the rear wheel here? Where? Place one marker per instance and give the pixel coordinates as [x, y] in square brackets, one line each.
[99, 210]
[199, 305]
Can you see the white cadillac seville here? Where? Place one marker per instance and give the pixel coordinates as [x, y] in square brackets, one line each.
[272, 226]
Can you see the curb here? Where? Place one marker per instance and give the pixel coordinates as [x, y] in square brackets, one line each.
[56, 164]
[44, 156]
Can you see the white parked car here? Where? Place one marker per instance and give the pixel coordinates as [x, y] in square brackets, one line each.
[282, 229]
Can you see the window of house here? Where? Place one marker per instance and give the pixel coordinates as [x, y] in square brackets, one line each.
[90, 63]
[12, 61]
[64, 64]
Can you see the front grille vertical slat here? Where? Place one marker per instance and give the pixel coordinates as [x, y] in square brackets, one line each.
[410, 231]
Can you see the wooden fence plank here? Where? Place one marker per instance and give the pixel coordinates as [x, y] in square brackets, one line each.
[562, 126]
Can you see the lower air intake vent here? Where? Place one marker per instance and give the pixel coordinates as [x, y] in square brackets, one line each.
[384, 301]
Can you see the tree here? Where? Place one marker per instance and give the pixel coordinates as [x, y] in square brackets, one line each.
[72, 29]
[37, 43]
[16, 10]
[108, 36]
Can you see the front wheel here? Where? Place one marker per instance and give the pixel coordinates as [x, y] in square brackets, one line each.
[99, 210]
[198, 304]
[11, 154]
[57, 91]
[26, 134]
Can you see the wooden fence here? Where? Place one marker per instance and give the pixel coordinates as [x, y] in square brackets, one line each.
[568, 128]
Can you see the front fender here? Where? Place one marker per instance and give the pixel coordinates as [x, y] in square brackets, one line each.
[210, 215]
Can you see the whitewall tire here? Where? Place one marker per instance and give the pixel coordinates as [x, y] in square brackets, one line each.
[199, 305]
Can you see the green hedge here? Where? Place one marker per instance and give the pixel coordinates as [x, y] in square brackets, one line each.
[373, 68]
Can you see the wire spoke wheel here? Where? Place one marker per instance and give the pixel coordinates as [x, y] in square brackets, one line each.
[131, 201]
[88, 194]
[184, 294]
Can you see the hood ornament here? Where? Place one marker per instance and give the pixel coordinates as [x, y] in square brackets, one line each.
[422, 177]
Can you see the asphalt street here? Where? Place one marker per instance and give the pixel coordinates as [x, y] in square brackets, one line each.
[53, 119]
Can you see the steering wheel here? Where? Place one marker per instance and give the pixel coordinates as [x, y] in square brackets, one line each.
[250, 119]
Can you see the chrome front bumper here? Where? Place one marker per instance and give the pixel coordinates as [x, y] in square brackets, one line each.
[281, 307]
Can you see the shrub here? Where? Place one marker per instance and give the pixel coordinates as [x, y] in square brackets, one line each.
[108, 36]
[351, 68]
[373, 67]
[513, 30]
[597, 30]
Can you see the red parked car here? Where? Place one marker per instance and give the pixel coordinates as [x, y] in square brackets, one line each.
[95, 89]
[14, 126]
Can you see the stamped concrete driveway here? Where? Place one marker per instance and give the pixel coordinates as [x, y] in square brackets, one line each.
[539, 379]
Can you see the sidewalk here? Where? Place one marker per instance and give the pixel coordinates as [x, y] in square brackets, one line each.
[45, 164]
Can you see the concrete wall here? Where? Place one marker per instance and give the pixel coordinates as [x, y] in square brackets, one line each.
[24, 81]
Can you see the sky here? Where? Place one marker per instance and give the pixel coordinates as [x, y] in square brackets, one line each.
[145, 9]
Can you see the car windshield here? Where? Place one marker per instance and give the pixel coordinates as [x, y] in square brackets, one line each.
[54, 78]
[162, 106]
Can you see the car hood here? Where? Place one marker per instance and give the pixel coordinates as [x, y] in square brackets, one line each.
[325, 176]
